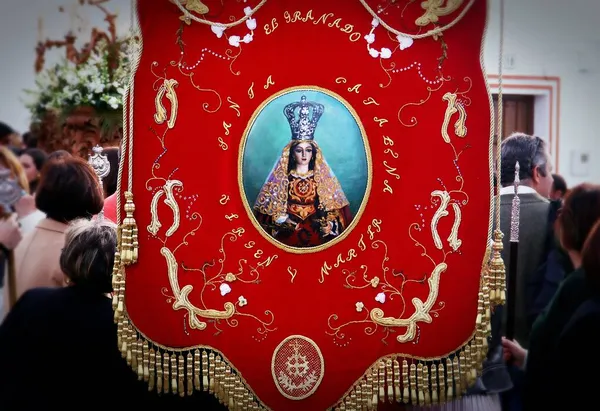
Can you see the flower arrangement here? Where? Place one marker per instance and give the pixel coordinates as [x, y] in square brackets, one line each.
[99, 83]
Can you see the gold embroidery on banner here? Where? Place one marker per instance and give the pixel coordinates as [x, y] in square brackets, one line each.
[170, 201]
[224, 199]
[233, 58]
[337, 23]
[387, 70]
[258, 253]
[155, 223]
[460, 129]
[453, 240]
[439, 214]
[222, 144]
[387, 188]
[231, 217]
[355, 89]
[249, 245]
[205, 106]
[341, 80]
[381, 121]
[167, 89]
[391, 170]
[269, 83]
[413, 120]
[297, 367]
[434, 9]
[251, 91]
[234, 106]
[226, 127]
[292, 272]
[369, 101]
[270, 28]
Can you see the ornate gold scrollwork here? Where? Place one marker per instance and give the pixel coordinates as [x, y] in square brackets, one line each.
[453, 240]
[434, 9]
[172, 204]
[421, 313]
[181, 301]
[166, 190]
[167, 89]
[460, 129]
[439, 214]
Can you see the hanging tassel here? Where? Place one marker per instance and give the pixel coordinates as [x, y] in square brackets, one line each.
[146, 361]
[442, 382]
[450, 379]
[159, 373]
[129, 233]
[181, 374]
[360, 400]
[421, 384]
[174, 374]
[463, 372]
[497, 268]
[412, 377]
[368, 391]
[151, 368]
[381, 367]
[211, 373]
[434, 384]
[426, 384]
[397, 377]
[140, 360]
[389, 380]
[405, 382]
[376, 391]
[198, 373]
[190, 371]
[166, 373]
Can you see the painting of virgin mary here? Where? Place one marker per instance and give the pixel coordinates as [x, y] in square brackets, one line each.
[302, 203]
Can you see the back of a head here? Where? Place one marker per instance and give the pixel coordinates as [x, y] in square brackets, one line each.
[559, 183]
[6, 132]
[579, 213]
[591, 257]
[528, 151]
[88, 255]
[68, 189]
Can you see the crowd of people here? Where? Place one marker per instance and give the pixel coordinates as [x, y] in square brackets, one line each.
[58, 341]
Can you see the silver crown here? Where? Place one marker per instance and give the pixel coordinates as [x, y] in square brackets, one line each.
[303, 126]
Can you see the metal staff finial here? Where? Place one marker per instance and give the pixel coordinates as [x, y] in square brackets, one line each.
[511, 298]
[515, 214]
[101, 166]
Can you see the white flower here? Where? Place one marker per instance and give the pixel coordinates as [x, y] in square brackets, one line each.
[225, 289]
[234, 41]
[405, 42]
[375, 22]
[113, 102]
[359, 307]
[251, 24]
[380, 298]
[242, 301]
[247, 10]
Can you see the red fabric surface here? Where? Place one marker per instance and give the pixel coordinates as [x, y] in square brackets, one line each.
[110, 208]
[296, 54]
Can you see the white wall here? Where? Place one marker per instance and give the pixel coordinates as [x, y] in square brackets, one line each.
[545, 38]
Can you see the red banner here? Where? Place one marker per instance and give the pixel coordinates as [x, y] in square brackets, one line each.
[312, 193]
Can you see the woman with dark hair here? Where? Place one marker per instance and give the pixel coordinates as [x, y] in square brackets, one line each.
[33, 160]
[68, 190]
[577, 218]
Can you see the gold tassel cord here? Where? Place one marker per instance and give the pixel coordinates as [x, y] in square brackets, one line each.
[497, 269]
[129, 233]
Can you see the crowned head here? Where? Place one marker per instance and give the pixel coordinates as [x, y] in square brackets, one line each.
[303, 117]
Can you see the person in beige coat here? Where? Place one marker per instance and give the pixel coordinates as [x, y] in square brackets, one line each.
[68, 190]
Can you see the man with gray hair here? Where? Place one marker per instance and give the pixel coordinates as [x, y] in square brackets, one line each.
[534, 190]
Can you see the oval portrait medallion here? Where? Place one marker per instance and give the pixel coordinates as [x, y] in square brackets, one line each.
[305, 169]
[297, 367]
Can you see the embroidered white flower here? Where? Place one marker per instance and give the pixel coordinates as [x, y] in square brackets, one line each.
[242, 301]
[359, 307]
[230, 277]
[380, 298]
[225, 289]
[405, 42]
[235, 41]
[384, 53]
[218, 30]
